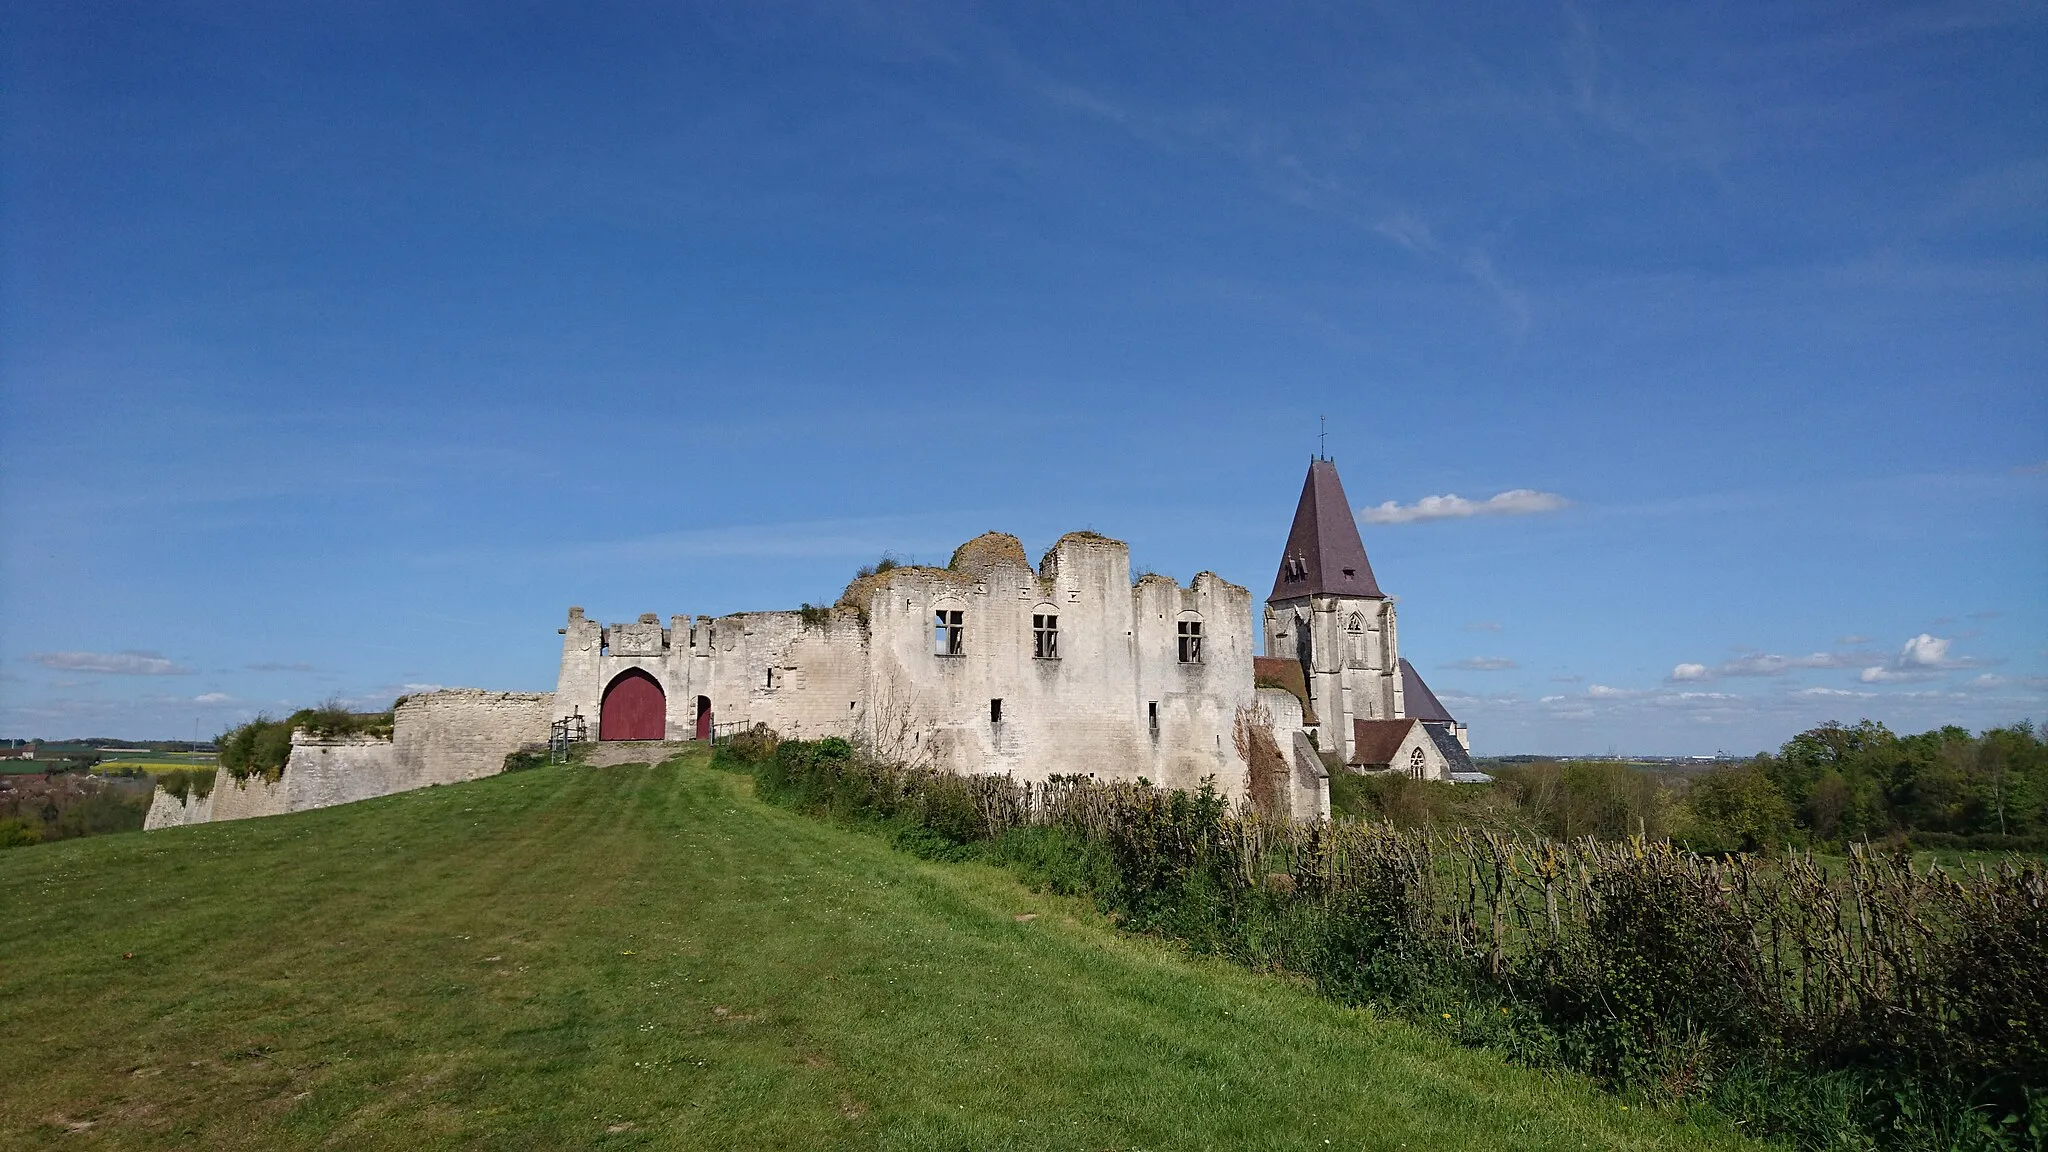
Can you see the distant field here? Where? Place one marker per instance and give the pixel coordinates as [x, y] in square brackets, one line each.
[155, 764]
[650, 958]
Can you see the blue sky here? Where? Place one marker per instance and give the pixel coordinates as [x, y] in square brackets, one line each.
[342, 348]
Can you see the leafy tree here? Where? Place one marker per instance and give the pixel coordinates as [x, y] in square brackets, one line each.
[1736, 808]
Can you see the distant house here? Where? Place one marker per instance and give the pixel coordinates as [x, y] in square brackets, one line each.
[24, 751]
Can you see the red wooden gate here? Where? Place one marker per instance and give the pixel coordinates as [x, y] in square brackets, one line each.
[634, 708]
[703, 717]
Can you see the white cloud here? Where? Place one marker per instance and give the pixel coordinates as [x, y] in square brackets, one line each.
[1924, 651]
[1483, 664]
[1766, 664]
[212, 698]
[1832, 692]
[1920, 658]
[1518, 502]
[1603, 692]
[113, 663]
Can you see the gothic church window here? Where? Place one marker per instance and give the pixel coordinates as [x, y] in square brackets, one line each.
[1045, 636]
[1417, 764]
[1357, 622]
[1190, 636]
[948, 633]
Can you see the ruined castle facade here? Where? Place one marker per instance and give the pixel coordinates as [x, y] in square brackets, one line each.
[990, 665]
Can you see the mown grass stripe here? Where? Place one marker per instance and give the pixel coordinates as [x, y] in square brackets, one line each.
[548, 968]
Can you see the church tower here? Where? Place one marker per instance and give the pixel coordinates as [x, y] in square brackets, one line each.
[1328, 614]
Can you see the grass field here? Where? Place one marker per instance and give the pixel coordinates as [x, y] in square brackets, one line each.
[156, 762]
[648, 957]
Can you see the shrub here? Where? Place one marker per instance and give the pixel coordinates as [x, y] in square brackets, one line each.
[530, 756]
[1836, 1004]
[19, 833]
[263, 746]
[184, 782]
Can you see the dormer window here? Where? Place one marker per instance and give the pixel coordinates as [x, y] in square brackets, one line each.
[1190, 637]
[948, 633]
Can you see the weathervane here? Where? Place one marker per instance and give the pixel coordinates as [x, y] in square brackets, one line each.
[1322, 439]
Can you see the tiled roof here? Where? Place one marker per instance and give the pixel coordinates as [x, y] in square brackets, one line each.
[1422, 704]
[1375, 741]
[1324, 554]
[1287, 674]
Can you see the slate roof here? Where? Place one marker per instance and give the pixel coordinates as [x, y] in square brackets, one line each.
[1421, 703]
[1454, 753]
[1324, 555]
[1286, 673]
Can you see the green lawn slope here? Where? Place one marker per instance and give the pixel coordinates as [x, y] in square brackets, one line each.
[649, 957]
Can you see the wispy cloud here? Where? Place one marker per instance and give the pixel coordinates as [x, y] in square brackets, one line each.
[212, 698]
[1515, 502]
[1412, 234]
[130, 663]
[1483, 664]
[1766, 664]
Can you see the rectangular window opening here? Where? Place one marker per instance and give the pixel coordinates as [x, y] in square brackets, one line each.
[995, 712]
[947, 633]
[1045, 636]
[1190, 637]
[1152, 716]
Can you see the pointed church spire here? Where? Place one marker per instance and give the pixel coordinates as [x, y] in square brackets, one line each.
[1324, 555]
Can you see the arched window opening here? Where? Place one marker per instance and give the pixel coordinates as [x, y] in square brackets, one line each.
[1357, 622]
[1417, 764]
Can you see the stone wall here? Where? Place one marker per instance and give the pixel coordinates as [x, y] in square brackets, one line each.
[246, 799]
[324, 772]
[437, 738]
[167, 811]
[464, 733]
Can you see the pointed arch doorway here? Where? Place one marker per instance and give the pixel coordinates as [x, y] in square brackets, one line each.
[634, 708]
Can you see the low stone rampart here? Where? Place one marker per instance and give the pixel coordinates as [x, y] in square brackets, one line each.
[437, 738]
[168, 811]
[247, 799]
[465, 733]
